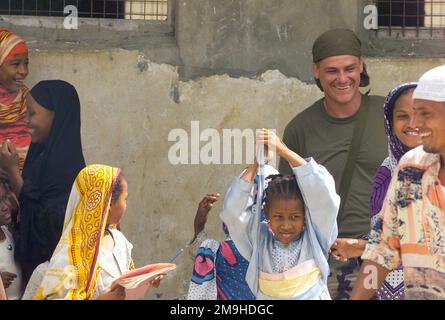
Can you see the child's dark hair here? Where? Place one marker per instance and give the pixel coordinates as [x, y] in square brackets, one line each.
[117, 188]
[282, 187]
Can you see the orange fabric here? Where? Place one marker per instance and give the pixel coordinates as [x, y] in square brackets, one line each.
[10, 43]
[394, 243]
[411, 225]
[433, 196]
[414, 248]
[20, 48]
[12, 104]
[440, 195]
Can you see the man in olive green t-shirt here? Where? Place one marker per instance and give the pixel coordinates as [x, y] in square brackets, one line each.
[324, 131]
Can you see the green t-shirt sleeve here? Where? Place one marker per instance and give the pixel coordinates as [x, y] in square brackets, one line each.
[291, 141]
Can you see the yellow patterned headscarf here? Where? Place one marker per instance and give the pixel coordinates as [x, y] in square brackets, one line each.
[73, 269]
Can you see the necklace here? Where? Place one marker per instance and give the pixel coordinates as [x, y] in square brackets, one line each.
[4, 238]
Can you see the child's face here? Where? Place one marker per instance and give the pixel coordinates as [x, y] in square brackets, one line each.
[14, 72]
[5, 211]
[286, 218]
[118, 206]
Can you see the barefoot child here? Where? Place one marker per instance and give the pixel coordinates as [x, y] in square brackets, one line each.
[288, 255]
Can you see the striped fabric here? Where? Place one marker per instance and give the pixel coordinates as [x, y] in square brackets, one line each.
[12, 104]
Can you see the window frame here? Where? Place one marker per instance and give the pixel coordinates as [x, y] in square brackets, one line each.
[134, 24]
[409, 32]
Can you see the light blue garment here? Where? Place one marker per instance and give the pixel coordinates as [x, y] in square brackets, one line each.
[257, 244]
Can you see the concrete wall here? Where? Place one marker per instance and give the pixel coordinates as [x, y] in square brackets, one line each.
[244, 37]
[228, 64]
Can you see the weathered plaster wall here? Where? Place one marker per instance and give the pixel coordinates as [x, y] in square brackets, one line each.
[245, 37]
[228, 64]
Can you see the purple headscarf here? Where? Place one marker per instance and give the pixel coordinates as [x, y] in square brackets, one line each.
[396, 148]
[392, 288]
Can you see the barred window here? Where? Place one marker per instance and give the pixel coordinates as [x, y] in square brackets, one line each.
[112, 9]
[411, 14]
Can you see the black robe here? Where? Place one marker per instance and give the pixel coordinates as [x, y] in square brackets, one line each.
[49, 172]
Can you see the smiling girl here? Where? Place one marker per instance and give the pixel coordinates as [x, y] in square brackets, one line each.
[13, 71]
[288, 254]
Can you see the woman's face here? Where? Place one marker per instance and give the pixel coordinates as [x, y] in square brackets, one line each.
[403, 115]
[119, 205]
[39, 120]
[14, 72]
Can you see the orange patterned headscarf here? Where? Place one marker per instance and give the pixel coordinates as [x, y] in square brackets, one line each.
[12, 104]
[10, 45]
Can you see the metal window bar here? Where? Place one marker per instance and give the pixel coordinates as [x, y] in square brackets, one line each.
[114, 9]
[411, 15]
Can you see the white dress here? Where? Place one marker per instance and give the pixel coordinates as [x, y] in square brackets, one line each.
[113, 263]
[8, 264]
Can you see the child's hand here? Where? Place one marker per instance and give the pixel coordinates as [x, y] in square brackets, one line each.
[345, 248]
[157, 281]
[9, 158]
[114, 292]
[8, 278]
[204, 208]
[3, 175]
[271, 143]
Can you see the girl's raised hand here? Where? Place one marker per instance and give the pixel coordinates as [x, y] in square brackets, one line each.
[204, 208]
[271, 142]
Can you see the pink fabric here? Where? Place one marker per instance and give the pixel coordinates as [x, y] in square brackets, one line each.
[203, 267]
[228, 254]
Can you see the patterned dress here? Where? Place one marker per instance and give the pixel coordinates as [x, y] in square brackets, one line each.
[219, 270]
[410, 229]
[392, 288]
[12, 103]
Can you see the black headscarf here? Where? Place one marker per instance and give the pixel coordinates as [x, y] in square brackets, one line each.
[49, 172]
